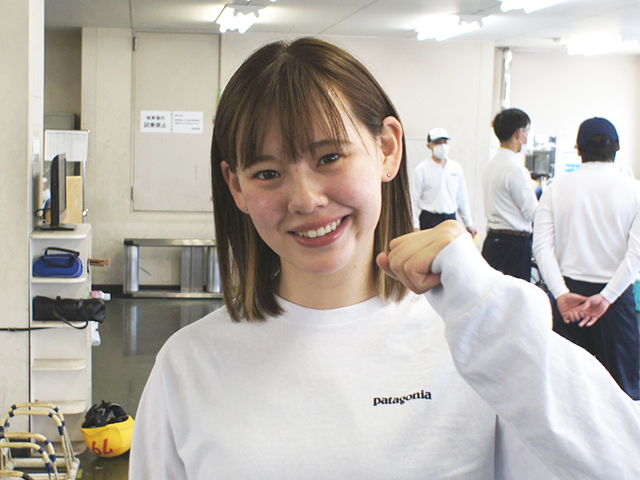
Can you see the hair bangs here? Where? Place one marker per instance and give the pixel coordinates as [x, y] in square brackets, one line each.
[296, 103]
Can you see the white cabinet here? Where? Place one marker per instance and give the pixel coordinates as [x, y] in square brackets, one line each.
[60, 355]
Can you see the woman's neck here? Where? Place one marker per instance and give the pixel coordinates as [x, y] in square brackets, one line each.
[323, 292]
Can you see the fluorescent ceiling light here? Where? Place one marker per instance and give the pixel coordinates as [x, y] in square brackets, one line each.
[528, 6]
[443, 27]
[598, 44]
[238, 17]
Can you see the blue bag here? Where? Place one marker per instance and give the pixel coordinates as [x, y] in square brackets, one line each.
[66, 264]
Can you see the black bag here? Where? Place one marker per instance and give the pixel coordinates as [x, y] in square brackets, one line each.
[104, 414]
[69, 310]
[66, 264]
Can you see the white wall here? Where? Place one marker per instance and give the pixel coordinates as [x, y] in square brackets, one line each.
[174, 72]
[21, 118]
[559, 92]
[63, 55]
[107, 112]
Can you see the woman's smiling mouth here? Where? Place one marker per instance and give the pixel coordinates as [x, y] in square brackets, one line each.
[320, 232]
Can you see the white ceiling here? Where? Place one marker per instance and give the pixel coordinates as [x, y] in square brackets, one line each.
[365, 18]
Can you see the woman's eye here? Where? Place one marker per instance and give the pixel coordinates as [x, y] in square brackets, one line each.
[266, 175]
[326, 159]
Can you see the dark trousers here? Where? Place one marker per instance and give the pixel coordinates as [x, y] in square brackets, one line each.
[614, 339]
[430, 220]
[510, 254]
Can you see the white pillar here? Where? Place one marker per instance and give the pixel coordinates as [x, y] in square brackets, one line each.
[21, 120]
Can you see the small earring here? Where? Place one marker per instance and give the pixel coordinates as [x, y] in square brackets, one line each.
[246, 209]
[388, 175]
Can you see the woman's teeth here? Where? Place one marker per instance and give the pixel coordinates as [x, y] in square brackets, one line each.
[322, 231]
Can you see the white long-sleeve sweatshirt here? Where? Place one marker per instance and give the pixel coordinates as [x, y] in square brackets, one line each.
[384, 390]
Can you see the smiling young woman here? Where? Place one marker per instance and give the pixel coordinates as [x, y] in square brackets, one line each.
[349, 347]
[318, 212]
[285, 103]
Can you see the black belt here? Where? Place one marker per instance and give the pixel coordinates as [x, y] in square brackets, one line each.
[449, 215]
[515, 233]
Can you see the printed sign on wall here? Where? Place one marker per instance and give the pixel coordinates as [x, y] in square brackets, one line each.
[188, 122]
[155, 121]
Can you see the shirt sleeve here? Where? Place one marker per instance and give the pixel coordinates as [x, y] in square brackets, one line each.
[628, 269]
[462, 200]
[553, 395]
[154, 454]
[514, 460]
[521, 190]
[544, 242]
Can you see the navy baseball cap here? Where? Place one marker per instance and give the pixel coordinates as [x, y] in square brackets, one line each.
[594, 126]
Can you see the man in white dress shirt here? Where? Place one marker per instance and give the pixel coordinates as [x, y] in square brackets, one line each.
[587, 245]
[509, 198]
[438, 187]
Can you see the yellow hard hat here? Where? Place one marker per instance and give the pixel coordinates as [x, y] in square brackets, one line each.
[108, 437]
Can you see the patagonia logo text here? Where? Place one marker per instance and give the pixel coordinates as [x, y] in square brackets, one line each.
[421, 395]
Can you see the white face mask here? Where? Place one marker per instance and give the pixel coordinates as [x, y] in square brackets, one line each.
[441, 151]
[525, 137]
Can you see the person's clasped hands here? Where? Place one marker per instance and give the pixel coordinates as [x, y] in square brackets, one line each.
[578, 308]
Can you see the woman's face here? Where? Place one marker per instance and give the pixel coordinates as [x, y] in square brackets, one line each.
[319, 214]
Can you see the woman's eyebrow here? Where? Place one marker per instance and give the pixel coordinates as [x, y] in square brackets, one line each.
[313, 147]
[328, 142]
[258, 159]
[263, 158]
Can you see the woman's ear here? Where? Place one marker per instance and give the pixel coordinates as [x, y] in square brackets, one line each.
[390, 143]
[233, 182]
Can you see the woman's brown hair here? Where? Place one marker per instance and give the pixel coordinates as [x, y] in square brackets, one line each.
[297, 85]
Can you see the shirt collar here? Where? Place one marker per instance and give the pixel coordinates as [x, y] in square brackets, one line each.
[302, 314]
[508, 152]
[446, 160]
[594, 165]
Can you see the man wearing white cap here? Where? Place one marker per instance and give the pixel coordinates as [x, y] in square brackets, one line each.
[587, 245]
[438, 188]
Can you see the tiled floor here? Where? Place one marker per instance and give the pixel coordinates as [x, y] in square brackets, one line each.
[132, 334]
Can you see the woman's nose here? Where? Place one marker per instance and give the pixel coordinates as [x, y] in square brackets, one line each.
[306, 192]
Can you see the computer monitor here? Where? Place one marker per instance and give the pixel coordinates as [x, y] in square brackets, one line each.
[58, 187]
[541, 162]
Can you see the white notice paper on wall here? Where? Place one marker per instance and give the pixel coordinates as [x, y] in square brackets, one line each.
[188, 122]
[155, 121]
[75, 143]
